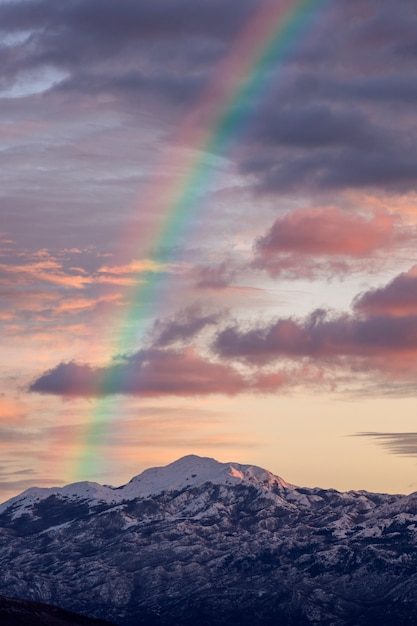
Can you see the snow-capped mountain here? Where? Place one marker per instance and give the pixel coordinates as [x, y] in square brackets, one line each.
[188, 471]
[213, 543]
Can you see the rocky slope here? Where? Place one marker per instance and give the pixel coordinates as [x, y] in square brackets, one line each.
[213, 543]
[24, 613]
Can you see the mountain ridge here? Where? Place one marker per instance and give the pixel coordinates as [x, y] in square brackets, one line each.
[184, 472]
[200, 541]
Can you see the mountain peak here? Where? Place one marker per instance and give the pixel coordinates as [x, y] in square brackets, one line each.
[195, 540]
[193, 470]
[188, 471]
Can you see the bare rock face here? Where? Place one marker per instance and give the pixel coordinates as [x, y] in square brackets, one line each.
[208, 543]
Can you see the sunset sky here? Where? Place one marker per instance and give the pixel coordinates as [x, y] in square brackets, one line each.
[208, 226]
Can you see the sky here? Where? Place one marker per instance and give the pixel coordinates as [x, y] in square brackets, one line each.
[208, 225]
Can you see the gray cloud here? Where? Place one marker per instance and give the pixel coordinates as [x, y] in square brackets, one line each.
[398, 297]
[314, 126]
[394, 168]
[185, 325]
[109, 22]
[214, 276]
[335, 114]
[403, 444]
[320, 337]
[84, 37]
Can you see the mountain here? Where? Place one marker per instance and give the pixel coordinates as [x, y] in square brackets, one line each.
[24, 613]
[208, 543]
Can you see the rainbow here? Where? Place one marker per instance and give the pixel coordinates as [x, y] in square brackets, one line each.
[221, 112]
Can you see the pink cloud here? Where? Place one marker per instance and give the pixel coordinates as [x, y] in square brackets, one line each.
[40, 286]
[155, 372]
[12, 410]
[314, 240]
[151, 372]
[47, 270]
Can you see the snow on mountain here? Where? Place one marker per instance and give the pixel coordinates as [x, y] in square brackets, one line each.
[200, 541]
[188, 471]
[92, 492]
[193, 470]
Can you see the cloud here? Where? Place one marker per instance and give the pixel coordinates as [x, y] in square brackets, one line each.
[403, 444]
[215, 277]
[313, 126]
[340, 116]
[13, 410]
[129, 20]
[320, 350]
[397, 299]
[321, 336]
[18, 434]
[95, 42]
[152, 372]
[328, 231]
[387, 168]
[184, 326]
[329, 123]
[10, 487]
[390, 87]
[343, 117]
[48, 271]
[310, 241]
[14, 482]
[43, 291]
[134, 267]
[378, 338]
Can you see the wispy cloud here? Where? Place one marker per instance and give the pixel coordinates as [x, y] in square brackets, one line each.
[403, 444]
